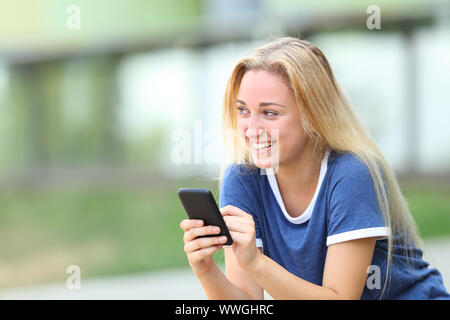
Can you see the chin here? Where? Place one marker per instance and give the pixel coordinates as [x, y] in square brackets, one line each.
[265, 163]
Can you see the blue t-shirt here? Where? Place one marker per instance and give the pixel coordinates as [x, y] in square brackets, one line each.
[344, 207]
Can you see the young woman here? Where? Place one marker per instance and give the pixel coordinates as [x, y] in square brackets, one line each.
[313, 207]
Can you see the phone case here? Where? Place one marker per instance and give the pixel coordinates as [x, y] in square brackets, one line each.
[200, 204]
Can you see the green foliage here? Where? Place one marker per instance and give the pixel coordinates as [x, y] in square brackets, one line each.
[430, 208]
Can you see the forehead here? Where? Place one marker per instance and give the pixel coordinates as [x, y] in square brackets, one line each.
[260, 86]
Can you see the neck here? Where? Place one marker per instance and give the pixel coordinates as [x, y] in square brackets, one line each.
[301, 175]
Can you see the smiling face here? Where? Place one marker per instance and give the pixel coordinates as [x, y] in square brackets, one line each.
[269, 120]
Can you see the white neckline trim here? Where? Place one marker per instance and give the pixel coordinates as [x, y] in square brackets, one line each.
[276, 191]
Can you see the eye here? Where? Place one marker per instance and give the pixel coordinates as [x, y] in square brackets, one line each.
[241, 110]
[270, 113]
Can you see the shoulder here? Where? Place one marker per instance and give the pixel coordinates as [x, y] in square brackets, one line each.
[353, 202]
[347, 161]
[240, 187]
[348, 166]
[240, 175]
[240, 171]
[350, 176]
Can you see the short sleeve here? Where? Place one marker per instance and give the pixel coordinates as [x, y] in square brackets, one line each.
[235, 191]
[354, 211]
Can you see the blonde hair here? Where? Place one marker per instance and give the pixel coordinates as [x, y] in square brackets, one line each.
[329, 122]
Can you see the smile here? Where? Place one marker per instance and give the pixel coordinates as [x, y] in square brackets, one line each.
[259, 146]
[262, 147]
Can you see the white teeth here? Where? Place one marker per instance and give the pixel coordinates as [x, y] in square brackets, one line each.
[260, 146]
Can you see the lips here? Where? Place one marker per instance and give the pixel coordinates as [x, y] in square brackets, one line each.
[261, 147]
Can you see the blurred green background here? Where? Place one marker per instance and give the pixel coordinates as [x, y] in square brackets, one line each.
[91, 117]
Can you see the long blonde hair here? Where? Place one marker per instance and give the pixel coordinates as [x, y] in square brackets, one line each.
[329, 122]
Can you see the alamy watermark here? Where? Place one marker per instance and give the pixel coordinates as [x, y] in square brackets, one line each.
[73, 21]
[73, 282]
[199, 146]
[374, 278]
[196, 146]
[374, 20]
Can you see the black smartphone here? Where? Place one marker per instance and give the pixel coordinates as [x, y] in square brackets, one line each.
[200, 204]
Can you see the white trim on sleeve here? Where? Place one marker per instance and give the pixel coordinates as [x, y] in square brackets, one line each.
[380, 232]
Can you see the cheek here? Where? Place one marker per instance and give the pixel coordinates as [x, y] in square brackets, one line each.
[292, 136]
[242, 126]
[274, 130]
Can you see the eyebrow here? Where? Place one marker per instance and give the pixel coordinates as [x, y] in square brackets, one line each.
[263, 104]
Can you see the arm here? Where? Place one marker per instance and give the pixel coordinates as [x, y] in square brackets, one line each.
[236, 285]
[199, 252]
[240, 277]
[218, 287]
[344, 275]
[345, 270]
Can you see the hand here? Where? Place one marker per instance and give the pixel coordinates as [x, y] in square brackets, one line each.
[200, 250]
[242, 230]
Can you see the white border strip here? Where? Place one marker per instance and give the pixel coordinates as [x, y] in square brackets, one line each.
[380, 232]
[259, 243]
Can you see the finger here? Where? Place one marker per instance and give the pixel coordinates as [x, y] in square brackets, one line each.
[203, 253]
[239, 224]
[202, 243]
[193, 233]
[190, 223]
[233, 211]
[242, 238]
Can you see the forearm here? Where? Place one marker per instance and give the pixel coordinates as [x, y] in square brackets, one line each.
[218, 287]
[281, 284]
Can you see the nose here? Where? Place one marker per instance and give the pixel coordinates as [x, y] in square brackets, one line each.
[255, 128]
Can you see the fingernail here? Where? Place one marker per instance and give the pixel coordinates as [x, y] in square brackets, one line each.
[198, 222]
[215, 229]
